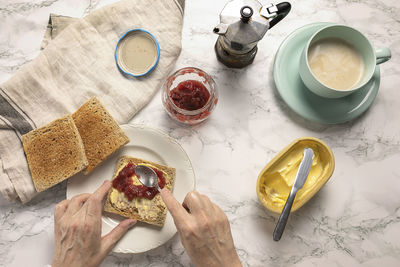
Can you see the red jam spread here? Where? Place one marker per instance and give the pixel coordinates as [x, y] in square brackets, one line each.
[124, 184]
[190, 95]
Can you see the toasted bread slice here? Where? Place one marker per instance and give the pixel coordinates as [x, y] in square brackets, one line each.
[55, 152]
[150, 211]
[100, 133]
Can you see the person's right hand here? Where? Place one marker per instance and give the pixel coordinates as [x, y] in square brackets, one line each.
[204, 230]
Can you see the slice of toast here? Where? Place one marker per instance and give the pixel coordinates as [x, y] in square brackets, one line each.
[101, 134]
[150, 211]
[54, 152]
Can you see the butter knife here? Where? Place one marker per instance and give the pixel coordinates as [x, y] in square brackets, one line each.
[301, 177]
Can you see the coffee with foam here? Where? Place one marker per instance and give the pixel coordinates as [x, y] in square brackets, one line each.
[336, 63]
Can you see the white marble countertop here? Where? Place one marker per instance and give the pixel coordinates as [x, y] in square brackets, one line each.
[353, 221]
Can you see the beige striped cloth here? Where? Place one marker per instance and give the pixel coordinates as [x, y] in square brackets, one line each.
[76, 63]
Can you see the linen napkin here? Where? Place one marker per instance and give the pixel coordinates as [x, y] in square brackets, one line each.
[77, 62]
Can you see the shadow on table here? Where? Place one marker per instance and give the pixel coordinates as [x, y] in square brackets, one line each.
[302, 218]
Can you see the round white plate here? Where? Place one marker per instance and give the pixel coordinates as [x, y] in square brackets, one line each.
[149, 144]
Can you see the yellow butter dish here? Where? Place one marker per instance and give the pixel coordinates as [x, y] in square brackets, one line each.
[276, 179]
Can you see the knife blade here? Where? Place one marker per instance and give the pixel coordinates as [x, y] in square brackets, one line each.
[304, 168]
[301, 177]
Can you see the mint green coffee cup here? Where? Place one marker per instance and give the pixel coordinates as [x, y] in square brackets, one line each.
[315, 77]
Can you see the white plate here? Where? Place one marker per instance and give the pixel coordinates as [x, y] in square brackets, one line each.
[149, 144]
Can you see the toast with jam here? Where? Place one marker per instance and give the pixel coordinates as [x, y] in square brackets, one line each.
[129, 198]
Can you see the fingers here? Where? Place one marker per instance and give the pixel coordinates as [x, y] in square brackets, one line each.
[115, 235]
[208, 206]
[175, 208]
[72, 206]
[76, 203]
[94, 203]
[60, 209]
[221, 223]
[219, 211]
[102, 191]
[210, 209]
[193, 202]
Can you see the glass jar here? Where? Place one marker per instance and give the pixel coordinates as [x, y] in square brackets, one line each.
[177, 107]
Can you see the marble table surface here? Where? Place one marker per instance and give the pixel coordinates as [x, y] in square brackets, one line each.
[353, 221]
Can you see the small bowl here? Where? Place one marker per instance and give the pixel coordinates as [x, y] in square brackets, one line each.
[276, 180]
[182, 115]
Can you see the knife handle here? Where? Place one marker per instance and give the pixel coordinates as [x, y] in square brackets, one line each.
[280, 226]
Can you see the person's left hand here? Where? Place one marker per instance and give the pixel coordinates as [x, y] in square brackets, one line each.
[77, 229]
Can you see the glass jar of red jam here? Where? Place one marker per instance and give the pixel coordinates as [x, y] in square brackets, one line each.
[189, 95]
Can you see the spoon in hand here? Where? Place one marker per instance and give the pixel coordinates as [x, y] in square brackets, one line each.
[147, 176]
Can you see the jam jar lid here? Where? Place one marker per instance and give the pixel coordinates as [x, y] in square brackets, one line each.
[137, 52]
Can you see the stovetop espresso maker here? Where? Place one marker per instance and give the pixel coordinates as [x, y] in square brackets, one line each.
[242, 24]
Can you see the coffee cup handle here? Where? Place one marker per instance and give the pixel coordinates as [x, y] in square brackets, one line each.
[382, 55]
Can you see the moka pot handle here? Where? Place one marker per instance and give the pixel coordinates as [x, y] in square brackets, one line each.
[283, 10]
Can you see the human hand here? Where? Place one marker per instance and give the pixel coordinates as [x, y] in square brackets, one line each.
[204, 230]
[77, 230]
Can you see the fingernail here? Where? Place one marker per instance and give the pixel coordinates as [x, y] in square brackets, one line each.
[164, 190]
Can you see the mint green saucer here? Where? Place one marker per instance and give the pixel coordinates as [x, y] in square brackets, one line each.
[303, 101]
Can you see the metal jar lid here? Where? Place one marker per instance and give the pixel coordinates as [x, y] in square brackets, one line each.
[137, 52]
